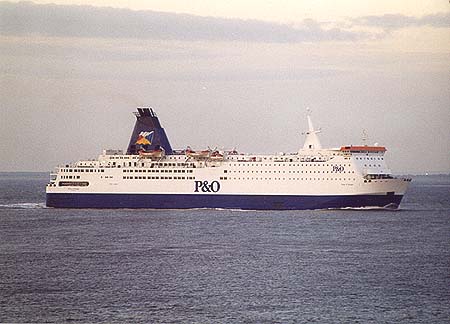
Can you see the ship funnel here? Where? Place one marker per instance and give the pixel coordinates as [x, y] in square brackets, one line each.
[147, 133]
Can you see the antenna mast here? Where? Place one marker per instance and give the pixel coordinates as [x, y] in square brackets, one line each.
[312, 140]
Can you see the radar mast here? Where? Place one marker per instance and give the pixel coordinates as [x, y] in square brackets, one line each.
[312, 141]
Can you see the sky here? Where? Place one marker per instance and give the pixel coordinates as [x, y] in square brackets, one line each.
[226, 74]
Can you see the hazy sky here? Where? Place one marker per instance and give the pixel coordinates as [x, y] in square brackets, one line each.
[226, 74]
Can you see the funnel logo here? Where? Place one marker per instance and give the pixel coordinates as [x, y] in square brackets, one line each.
[145, 138]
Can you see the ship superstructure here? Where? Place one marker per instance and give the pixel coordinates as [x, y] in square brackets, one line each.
[153, 175]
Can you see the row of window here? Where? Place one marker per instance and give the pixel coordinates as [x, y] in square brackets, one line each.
[121, 157]
[225, 178]
[378, 176]
[369, 158]
[290, 165]
[158, 171]
[157, 178]
[70, 177]
[277, 158]
[251, 159]
[73, 183]
[153, 165]
[225, 171]
[82, 170]
[78, 177]
[298, 179]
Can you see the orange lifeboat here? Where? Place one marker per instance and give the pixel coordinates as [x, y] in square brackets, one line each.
[197, 154]
[216, 156]
[154, 154]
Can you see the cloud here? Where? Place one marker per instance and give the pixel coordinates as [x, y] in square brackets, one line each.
[26, 18]
[50, 20]
[395, 21]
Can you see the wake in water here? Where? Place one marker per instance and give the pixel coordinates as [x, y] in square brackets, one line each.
[385, 208]
[23, 206]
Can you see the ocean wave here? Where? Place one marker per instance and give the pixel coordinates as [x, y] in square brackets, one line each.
[386, 208]
[23, 206]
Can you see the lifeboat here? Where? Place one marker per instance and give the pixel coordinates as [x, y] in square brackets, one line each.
[216, 156]
[197, 154]
[153, 154]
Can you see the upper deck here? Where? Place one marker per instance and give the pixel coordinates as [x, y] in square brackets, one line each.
[116, 159]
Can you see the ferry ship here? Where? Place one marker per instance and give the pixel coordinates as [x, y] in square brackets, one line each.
[150, 174]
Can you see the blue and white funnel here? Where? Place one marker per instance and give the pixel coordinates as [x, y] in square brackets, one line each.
[148, 134]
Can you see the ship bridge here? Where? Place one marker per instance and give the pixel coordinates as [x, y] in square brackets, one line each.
[362, 149]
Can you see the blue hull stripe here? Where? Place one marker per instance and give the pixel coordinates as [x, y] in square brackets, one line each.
[184, 201]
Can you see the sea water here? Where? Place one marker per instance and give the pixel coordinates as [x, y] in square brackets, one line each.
[221, 266]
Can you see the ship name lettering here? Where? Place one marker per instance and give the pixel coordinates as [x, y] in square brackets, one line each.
[205, 186]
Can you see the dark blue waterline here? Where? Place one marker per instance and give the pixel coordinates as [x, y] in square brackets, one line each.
[187, 201]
